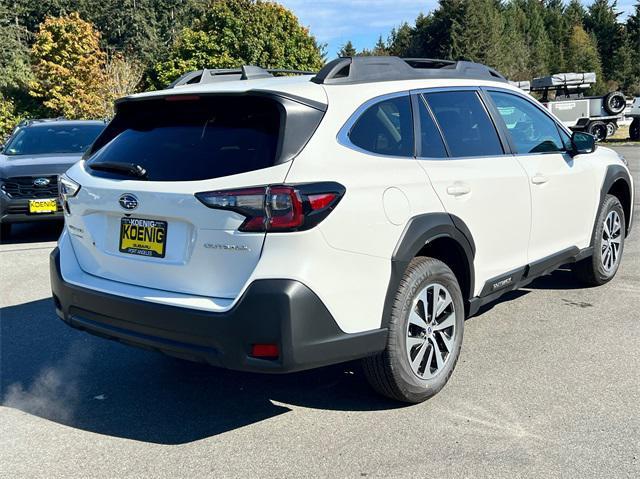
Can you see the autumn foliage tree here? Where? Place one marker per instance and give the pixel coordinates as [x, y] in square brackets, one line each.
[235, 32]
[68, 66]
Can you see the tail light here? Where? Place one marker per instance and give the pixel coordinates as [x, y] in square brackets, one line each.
[278, 207]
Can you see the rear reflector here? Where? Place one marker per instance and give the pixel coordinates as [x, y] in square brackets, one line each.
[277, 208]
[321, 201]
[265, 351]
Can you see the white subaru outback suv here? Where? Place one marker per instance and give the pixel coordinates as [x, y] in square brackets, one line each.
[276, 224]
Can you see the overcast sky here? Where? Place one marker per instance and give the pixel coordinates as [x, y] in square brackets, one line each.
[362, 21]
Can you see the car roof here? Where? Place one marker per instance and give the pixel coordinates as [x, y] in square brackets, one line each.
[63, 122]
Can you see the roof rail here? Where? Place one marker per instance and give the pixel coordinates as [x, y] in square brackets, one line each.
[245, 72]
[350, 70]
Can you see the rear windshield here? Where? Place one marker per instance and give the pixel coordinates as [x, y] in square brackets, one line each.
[51, 139]
[192, 138]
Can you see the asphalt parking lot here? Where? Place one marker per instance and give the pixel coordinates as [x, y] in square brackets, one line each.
[548, 385]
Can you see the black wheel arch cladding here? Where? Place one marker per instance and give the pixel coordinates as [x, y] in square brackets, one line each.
[618, 183]
[420, 231]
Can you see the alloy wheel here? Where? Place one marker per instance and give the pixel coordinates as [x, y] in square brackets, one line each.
[611, 241]
[431, 331]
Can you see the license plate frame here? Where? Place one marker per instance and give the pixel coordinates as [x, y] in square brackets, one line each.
[151, 242]
[43, 206]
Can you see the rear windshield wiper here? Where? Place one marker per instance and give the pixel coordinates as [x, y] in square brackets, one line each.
[129, 169]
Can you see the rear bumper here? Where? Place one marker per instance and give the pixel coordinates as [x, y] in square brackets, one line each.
[278, 311]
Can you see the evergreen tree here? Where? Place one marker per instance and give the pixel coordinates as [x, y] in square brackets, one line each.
[435, 30]
[574, 15]
[347, 50]
[556, 26]
[477, 34]
[633, 36]
[515, 50]
[401, 41]
[536, 37]
[602, 21]
[582, 54]
[625, 71]
[381, 48]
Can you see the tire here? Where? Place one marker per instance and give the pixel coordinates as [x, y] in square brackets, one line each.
[611, 129]
[603, 264]
[614, 103]
[634, 130]
[598, 129]
[5, 230]
[391, 372]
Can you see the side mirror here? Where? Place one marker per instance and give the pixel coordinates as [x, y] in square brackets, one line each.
[583, 143]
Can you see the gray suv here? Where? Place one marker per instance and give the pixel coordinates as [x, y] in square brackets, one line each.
[31, 160]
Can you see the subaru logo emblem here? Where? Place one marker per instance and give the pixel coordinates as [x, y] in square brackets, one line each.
[41, 182]
[128, 201]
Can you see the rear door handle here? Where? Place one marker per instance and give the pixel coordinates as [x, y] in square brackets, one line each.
[458, 189]
[539, 179]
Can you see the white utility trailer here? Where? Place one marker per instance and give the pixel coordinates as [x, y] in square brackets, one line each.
[598, 115]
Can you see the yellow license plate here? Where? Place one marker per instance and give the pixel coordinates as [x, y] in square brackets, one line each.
[143, 237]
[43, 206]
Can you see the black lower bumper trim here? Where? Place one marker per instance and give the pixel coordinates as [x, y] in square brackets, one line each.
[282, 312]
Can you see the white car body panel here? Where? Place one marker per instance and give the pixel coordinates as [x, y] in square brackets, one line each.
[190, 266]
[497, 190]
[564, 200]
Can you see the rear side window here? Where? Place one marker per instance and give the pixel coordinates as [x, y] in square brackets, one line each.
[431, 145]
[531, 130]
[193, 138]
[465, 123]
[385, 128]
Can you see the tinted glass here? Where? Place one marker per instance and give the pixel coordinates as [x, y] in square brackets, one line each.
[431, 141]
[531, 130]
[385, 128]
[465, 123]
[194, 139]
[51, 138]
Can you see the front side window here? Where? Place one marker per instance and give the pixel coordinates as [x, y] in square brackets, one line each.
[531, 130]
[385, 128]
[465, 124]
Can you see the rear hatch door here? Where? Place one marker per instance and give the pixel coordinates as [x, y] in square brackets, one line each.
[136, 218]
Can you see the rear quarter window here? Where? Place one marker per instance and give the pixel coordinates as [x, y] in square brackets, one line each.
[385, 128]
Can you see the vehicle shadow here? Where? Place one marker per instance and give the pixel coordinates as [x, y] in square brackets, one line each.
[36, 232]
[562, 278]
[57, 373]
